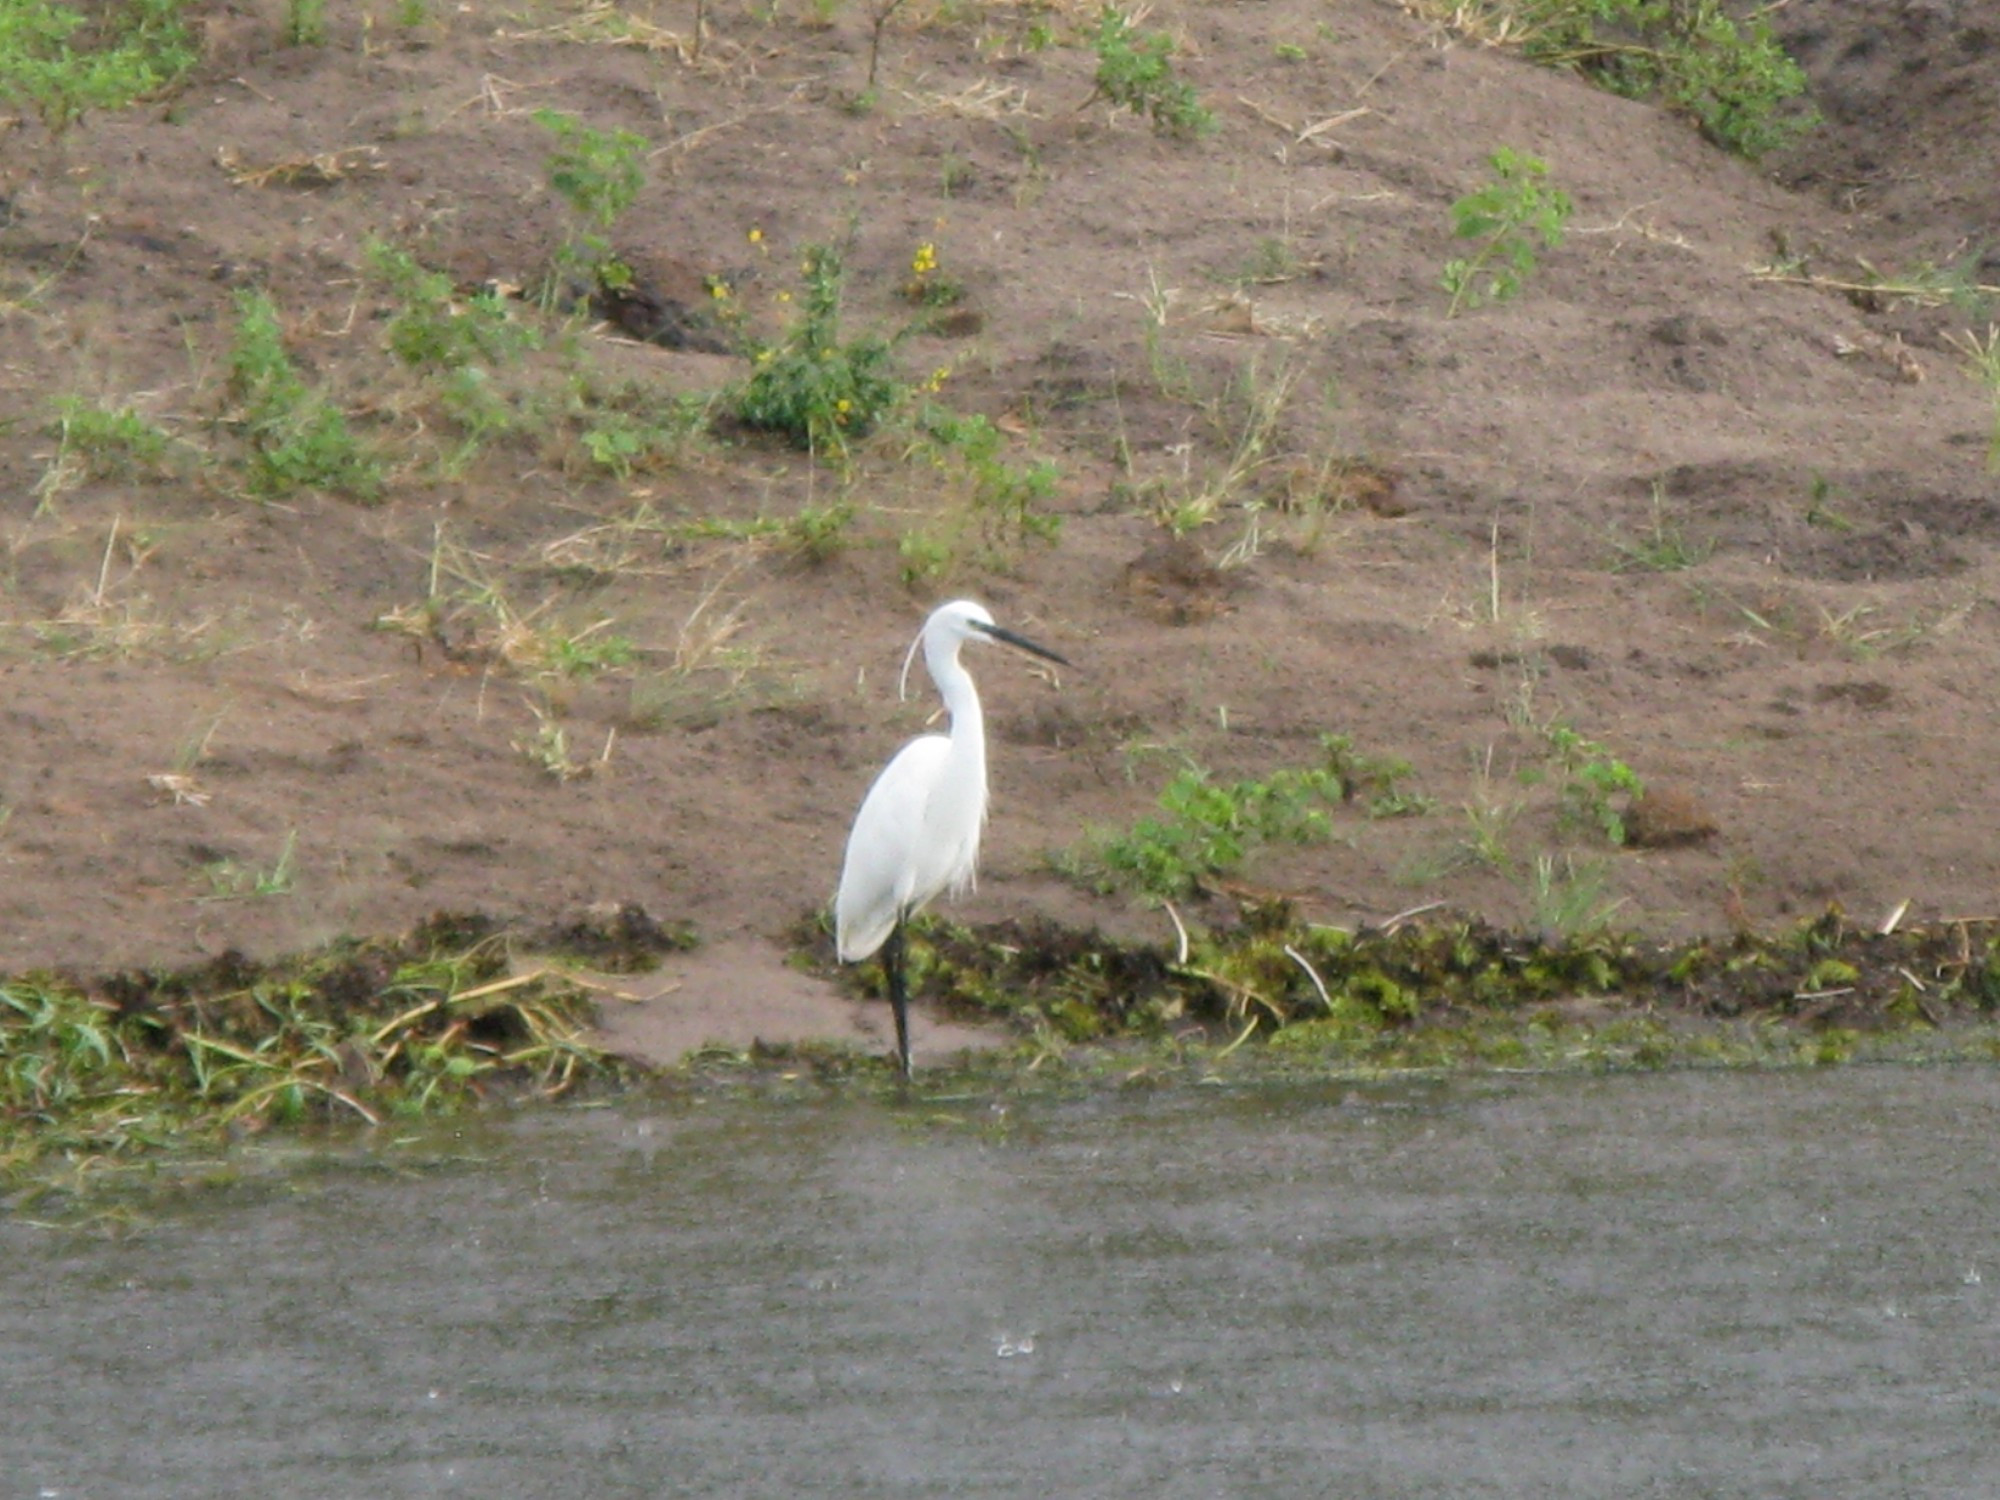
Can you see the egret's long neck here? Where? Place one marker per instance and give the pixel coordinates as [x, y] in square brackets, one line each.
[961, 701]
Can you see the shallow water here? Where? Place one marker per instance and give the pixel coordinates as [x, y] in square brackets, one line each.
[1684, 1284]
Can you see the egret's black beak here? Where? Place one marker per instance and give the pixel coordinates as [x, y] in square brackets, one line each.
[1019, 642]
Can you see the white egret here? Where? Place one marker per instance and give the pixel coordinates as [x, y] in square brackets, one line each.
[917, 833]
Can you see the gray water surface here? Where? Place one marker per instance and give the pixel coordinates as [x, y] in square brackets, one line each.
[1687, 1284]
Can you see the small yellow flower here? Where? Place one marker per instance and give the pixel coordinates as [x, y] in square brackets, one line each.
[784, 296]
[718, 290]
[925, 260]
[756, 236]
[842, 405]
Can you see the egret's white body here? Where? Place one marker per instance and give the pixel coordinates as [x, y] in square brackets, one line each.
[917, 834]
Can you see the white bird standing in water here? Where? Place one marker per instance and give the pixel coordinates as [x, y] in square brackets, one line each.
[917, 833]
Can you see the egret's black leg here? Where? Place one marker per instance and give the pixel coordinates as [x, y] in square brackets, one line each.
[899, 994]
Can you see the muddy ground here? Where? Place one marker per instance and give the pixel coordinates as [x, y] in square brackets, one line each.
[233, 720]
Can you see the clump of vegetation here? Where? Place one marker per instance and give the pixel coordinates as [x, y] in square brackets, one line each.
[298, 439]
[1663, 547]
[62, 61]
[1001, 491]
[305, 23]
[1729, 75]
[628, 428]
[1003, 499]
[1506, 217]
[1207, 828]
[599, 174]
[1455, 992]
[433, 328]
[460, 342]
[1597, 786]
[115, 441]
[812, 387]
[145, 1063]
[231, 880]
[814, 533]
[1135, 71]
[929, 286]
[1378, 780]
[468, 614]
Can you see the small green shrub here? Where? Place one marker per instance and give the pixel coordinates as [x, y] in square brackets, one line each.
[599, 174]
[924, 556]
[1208, 828]
[1593, 778]
[433, 328]
[1731, 76]
[458, 342]
[62, 62]
[305, 23]
[630, 429]
[812, 388]
[1135, 71]
[298, 439]
[111, 440]
[1006, 494]
[1506, 216]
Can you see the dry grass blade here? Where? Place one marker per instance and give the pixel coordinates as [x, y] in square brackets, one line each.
[983, 100]
[606, 25]
[320, 170]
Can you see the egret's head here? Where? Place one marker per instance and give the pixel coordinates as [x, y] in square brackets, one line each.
[952, 625]
[960, 620]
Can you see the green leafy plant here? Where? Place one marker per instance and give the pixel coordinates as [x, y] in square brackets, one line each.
[62, 61]
[1135, 71]
[1208, 828]
[305, 23]
[811, 387]
[1506, 217]
[590, 652]
[435, 329]
[459, 342]
[1006, 494]
[928, 286]
[111, 440]
[600, 175]
[1377, 778]
[924, 556]
[1593, 781]
[1728, 73]
[631, 429]
[1731, 76]
[298, 439]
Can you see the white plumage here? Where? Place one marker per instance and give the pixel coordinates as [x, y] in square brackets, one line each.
[917, 833]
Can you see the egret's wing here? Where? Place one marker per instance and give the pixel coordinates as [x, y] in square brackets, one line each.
[879, 878]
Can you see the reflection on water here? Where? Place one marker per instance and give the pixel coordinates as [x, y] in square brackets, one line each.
[1691, 1284]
